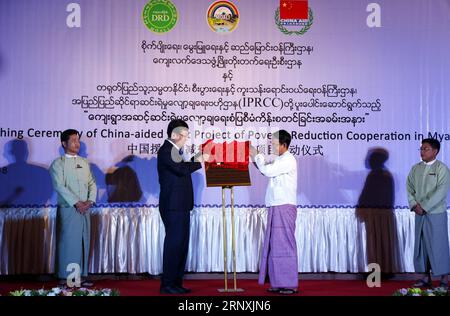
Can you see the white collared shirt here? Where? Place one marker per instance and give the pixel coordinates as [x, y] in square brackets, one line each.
[184, 155]
[430, 162]
[282, 187]
[71, 156]
[168, 139]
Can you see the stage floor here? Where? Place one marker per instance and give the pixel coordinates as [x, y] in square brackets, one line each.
[207, 284]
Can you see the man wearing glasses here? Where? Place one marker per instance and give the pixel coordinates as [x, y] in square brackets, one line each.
[176, 200]
[427, 185]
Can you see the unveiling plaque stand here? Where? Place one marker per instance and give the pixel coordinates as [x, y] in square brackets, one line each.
[227, 178]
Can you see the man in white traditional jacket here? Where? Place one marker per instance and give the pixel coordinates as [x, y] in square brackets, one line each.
[427, 185]
[279, 254]
[77, 191]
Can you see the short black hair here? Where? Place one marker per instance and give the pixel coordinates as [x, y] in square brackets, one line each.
[174, 124]
[434, 143]
[67, 133]
[283, 137]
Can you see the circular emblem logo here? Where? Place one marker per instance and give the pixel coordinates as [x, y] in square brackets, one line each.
[223, 17]
[160, 16]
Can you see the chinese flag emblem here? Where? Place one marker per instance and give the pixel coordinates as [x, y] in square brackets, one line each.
[293, 9]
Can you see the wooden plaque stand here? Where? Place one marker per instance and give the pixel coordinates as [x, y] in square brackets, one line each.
[227, 179]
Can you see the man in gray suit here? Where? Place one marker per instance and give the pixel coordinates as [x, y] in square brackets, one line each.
[428, 183]
[73, 181]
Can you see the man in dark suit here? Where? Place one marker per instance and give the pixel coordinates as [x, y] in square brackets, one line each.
[176, 200]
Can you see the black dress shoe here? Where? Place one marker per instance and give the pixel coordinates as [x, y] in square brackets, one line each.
[87, 283]
[170, 290]
[183, 290]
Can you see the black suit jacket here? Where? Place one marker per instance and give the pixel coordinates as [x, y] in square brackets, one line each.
[175, 179]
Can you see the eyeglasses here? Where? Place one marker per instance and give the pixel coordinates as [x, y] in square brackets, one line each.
[425, 149]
